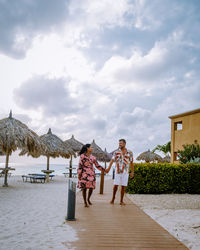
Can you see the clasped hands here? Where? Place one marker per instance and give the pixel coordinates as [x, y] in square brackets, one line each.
[108, 169]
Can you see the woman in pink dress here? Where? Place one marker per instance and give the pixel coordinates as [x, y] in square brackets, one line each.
[86, 173]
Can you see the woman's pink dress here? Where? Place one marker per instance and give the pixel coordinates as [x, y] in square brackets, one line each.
[86, 171]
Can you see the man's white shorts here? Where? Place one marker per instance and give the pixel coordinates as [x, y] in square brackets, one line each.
[121, 179]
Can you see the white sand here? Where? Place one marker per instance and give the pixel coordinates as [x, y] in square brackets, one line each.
[179, 214]
[32, 216]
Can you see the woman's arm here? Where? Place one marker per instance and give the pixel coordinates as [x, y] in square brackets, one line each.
[80, 169]
[109, 167]
[99, 167]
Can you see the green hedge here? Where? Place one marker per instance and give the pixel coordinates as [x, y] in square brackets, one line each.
[162, 178]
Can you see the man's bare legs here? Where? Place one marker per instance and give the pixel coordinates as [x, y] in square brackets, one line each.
[122, 195]
[114, 194]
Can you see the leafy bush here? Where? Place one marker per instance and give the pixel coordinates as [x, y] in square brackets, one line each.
[165, 178]
[195, 160]
[189, 153]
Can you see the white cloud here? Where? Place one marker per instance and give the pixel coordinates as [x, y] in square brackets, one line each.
[102, 70]
[94, 14]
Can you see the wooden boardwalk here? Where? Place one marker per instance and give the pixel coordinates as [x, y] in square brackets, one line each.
[106, 226]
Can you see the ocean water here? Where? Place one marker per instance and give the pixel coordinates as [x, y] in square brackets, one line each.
[24, 169]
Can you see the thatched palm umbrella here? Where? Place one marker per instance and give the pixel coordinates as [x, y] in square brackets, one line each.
[1, 153]
[108, 156]
[76, 147]
[100, 156]
[16, 135]
[98, 152]
[55, 147]
[148, 156]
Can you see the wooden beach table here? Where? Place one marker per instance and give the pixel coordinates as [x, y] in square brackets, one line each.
[70, 171]
[47, 173]
[106, 226]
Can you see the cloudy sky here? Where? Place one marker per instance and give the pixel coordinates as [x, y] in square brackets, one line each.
[100, 69]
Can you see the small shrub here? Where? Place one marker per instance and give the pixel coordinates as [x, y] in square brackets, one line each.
[189, 153]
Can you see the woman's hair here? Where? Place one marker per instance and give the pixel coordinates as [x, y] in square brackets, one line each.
[84, 149]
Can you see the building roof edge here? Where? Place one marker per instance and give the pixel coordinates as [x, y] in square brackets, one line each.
[191, 112]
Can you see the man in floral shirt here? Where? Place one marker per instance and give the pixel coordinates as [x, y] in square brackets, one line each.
[124, 159]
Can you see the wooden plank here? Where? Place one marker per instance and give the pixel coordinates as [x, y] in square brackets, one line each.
[106, 226]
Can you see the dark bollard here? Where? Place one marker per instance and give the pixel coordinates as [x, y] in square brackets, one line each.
[70, 167]
[70, 172]
[113, 176]
[71, 201]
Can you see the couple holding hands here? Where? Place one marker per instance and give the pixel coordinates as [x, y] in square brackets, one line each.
[86, 172]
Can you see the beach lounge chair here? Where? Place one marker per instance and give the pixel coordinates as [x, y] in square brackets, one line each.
[43, 175]
[33, 178]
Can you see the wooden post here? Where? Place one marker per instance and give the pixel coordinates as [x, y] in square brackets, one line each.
[48, 162]
[6, 171]
[102, 181]
[47, 174]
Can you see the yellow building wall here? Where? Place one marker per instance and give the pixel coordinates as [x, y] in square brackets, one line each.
[190, 132]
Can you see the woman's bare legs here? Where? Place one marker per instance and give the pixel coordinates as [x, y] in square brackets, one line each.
[84, 192]
[89, 195]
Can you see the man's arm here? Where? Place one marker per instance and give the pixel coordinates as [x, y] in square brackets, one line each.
[132, 169]
[109, 167]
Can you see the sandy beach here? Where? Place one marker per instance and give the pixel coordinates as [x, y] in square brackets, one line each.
[33, 215]
[179, 214]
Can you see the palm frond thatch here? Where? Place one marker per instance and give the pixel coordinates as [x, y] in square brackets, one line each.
[16, 135]
[149, 156]
[107, 155]
[54, 146]
[74, 144]
[1, 153]
[99, 153]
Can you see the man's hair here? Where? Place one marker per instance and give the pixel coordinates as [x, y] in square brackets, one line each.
[123, 140]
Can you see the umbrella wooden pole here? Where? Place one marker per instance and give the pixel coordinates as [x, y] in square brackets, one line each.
[6, 171]
[102, 181]
[48, 162]
[47, 174]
